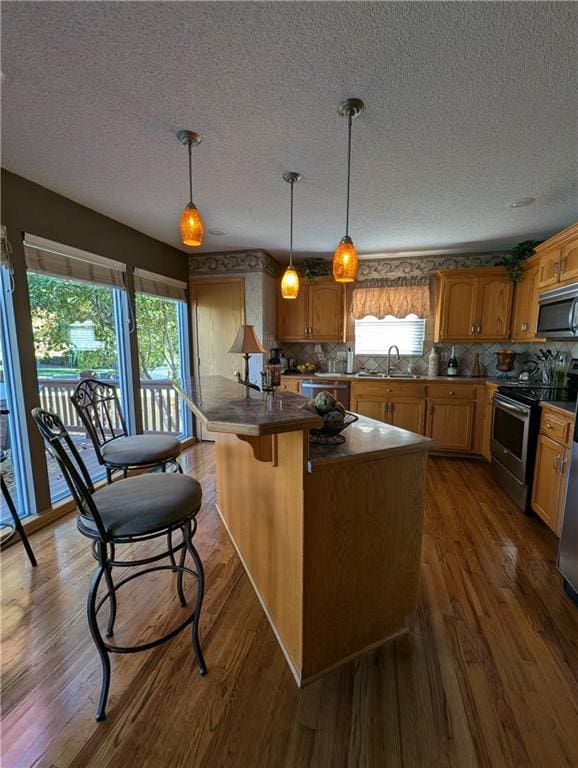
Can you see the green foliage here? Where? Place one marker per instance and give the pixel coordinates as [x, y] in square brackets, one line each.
[312, 269]
[514, 260]
[56, 304]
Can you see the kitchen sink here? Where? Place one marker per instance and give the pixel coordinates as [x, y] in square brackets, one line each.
[391, 376]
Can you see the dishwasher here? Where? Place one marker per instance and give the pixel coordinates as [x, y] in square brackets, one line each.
[339, 390]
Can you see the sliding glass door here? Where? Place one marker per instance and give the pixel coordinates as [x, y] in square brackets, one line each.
[77, 335]
[163, 355]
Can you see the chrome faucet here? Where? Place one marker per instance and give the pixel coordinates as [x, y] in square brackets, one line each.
[393, 346]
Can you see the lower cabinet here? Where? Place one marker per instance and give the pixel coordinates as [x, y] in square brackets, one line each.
[407, 413]
[451, 424]
[372, 407]
[548, 494]
[551, 470]
[290, 385]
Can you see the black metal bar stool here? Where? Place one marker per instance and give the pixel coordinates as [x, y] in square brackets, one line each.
[98, 407]
[136, 509]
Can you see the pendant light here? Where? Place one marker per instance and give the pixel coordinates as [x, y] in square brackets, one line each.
[191, 224]
[290, 281]
[345, 261]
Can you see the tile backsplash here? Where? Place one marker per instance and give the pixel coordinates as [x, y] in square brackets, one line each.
[306, 353]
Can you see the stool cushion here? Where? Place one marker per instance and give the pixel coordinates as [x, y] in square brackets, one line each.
[140, 449]
[145, 504]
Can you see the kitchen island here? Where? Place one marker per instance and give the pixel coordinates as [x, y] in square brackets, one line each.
[330, 536]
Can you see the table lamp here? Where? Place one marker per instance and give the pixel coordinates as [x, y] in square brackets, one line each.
[246, 343]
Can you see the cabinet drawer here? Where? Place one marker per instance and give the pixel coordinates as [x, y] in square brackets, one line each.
[387, 388]
[556, 427]
[449, 390]
[290, 385]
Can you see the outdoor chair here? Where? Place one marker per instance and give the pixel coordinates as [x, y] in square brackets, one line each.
[137, 509]
[98, 407]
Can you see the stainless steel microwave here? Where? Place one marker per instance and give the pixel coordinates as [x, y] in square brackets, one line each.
[558, 313]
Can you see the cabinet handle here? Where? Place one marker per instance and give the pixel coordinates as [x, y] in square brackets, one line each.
[452, 392]
[388, 390]
[562, 266]
[479, 328]
[563, 465]
[556, 463]
[473, 328]
[548, 425]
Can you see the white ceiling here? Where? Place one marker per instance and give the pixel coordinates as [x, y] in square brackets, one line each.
[470, 106]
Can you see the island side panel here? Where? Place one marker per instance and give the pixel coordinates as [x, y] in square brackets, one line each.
[362, 549]
[262, 507]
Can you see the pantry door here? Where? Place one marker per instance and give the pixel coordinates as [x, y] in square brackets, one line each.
[218, 309]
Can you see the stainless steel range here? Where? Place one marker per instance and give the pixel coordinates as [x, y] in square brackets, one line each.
[515, 428]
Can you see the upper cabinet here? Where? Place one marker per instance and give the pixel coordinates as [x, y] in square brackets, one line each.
[525, 314]
[317, 314]
[473, 304]
[559, 259]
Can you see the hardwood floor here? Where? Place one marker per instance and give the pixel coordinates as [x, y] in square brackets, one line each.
[486, 677]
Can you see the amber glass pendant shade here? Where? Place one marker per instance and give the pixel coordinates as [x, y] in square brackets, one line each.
[345, 262]
[192, 230]
[290, 284]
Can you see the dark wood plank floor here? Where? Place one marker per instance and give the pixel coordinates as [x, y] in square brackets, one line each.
[487, 676]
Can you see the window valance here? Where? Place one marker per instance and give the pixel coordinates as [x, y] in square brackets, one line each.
[398, 296]
[159, 285]
[59, 260]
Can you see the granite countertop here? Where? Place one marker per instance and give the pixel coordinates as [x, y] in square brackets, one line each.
[367, 439]
[561, 405]
[424, 378]
[226, 406]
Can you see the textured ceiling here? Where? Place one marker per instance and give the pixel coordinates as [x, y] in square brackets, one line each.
[470, 106]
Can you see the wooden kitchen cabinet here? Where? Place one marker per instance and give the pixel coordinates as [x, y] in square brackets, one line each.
[487, 421]
[525, 313]
[550, 482]
[451, 424]
[317, 314]
[372, 407]
[407, 413]
[551, 469]
[290, 385]
[473, 304]
[558, 259]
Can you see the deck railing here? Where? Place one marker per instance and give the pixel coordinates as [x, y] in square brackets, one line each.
[160, 405]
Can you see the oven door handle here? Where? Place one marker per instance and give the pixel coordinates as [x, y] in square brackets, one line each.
[514, 408]
[317, 385]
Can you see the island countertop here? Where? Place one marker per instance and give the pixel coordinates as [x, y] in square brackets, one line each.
[225, 405]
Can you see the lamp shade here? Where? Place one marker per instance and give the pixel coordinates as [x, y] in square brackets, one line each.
[192, 230]
[246, 341]
[290, 283]
[345, 261]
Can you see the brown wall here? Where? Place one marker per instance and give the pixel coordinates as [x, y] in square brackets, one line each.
[28, 207]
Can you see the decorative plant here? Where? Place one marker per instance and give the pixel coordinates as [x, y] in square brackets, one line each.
[312, 269]
[513, 261]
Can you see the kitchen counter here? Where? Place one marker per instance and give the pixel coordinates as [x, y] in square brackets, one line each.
[329, 536]
[225, 405]
[355, 377]
[561, 405]
[367, 439]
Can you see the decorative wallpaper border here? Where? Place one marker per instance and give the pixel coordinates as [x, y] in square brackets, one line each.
[233, 262]
[424, 265]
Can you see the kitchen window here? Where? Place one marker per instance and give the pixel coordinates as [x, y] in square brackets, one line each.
[375, 337]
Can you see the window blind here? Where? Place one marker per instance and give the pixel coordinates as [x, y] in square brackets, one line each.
[374, 337]
[50, 258]
[159, 285]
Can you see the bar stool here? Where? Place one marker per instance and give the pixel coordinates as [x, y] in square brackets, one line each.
[98, 407]
[136, 509]
[16, 526]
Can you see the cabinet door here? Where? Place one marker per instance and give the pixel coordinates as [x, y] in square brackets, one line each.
[293, 316]
[407, 413]
[326, 311]
[493, 308]
[564, 466]
[546, 490]
[569, 262]
[550, 268]
[458, 304]
[450, 424]
[290, 385]
[525, 314]
[372, 407]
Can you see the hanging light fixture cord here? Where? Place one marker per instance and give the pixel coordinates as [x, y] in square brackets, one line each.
[349, 121]
[190, 146]
[291, 227]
